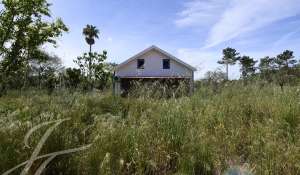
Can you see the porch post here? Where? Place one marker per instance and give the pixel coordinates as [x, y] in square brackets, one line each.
[116, 88]
[116, 85]
[191, 85]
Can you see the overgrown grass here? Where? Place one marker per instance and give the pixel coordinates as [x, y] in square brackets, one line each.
[241, 128]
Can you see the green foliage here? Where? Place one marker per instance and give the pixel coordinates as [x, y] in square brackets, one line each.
[214, 80]
[72, 77]
[267, 67]
[94, 69]
[44, 68]
[282, 70]
[286, 59]
[90, 32]
[215, 76]
[203, 134]
[247, 66]
[24, 27]
[95, 73]
[230, 56]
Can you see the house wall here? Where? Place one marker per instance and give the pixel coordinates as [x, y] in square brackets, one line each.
[153, 67]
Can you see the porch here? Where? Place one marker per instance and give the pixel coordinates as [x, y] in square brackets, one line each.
[124, 85]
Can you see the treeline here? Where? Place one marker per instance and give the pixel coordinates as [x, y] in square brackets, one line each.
[26, 26]
[284, 69]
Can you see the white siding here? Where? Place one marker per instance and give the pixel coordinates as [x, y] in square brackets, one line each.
[154, 67]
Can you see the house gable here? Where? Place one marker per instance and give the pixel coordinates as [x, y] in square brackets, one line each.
[153, 67]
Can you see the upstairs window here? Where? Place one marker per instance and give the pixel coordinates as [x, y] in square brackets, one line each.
[166, 64]
[140, 63]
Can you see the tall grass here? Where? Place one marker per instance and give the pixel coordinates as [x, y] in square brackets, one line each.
[207, 133]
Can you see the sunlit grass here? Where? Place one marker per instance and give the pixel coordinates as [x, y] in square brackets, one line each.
[206, 133]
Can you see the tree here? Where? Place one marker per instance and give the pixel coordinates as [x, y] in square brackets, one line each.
[285, 59]
[247, 66]
[92, 66]
[50, 80]
[285, 64]
[44, 64]
[266, 64]
[24, 27]
[230, 56]
[90, 32]
[215, 78]
[267, 67]
[72, 77]
[281, 69]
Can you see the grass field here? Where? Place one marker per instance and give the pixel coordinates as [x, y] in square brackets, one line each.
[252, 128]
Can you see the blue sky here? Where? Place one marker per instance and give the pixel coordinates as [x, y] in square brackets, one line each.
[195, 31]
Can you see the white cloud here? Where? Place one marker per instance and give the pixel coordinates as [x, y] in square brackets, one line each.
[236, 17]
[245, 16]
[200, 13]
[285, 37]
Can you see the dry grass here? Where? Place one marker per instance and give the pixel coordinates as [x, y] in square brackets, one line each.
[258, 127]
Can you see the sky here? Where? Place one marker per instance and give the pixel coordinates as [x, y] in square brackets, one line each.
[195, 31]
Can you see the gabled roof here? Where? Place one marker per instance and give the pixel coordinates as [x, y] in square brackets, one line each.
[160, 51]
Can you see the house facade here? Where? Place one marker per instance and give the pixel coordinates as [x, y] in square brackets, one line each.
[152, 64]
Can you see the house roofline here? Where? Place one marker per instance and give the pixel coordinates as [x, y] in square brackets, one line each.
[159, 50]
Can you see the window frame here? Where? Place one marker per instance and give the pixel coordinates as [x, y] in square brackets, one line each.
[168, 66]
[138, 66]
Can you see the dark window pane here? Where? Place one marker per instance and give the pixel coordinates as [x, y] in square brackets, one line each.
[140, 63]
[166, 64]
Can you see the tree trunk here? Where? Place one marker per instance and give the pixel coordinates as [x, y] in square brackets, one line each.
[25, 78]
[90, 65]
[227, 72]
[39, 80]
[90, 61]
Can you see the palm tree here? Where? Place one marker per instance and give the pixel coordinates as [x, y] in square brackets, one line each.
[90, 32]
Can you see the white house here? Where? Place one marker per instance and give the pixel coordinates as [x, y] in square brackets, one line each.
[152, 64]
